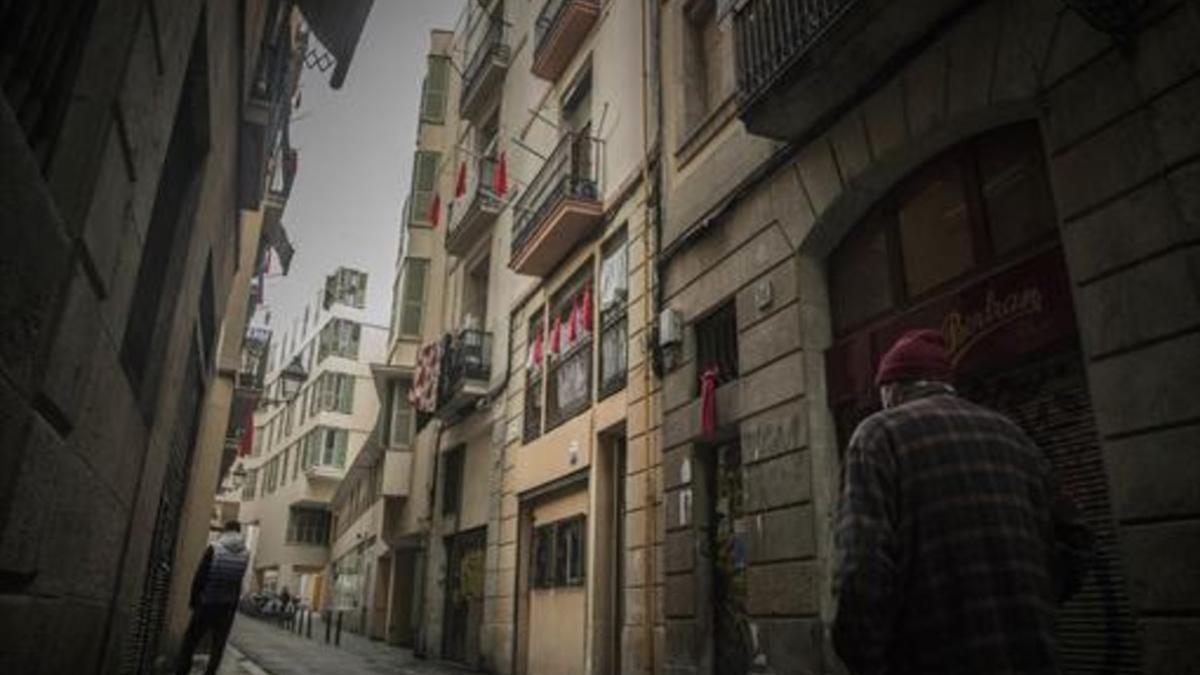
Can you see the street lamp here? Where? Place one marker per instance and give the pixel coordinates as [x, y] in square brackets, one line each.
[291, 379]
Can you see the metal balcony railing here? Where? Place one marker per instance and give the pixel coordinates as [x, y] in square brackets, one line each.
[492, 45]
[465, 356]
[571, 172]
[771, 34]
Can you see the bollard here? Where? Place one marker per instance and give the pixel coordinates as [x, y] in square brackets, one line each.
[328, 625]
[337, 640]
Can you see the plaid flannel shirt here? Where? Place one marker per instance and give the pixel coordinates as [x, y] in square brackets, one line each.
[954, 544]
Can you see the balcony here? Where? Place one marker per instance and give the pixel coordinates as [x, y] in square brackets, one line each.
[465, 371]
[559, 208]
[469, 221]
[559, 31]
[485, 71]
[801, 61]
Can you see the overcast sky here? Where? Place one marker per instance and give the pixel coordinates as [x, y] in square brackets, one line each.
[356, 146]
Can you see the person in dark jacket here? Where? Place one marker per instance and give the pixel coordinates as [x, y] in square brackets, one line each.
[954, 544]
[216, 589]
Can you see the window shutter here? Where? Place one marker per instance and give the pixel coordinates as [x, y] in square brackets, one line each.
[414, 296]
[425, 165]
[433, 99]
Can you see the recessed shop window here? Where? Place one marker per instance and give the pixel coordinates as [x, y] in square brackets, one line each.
[935, 228]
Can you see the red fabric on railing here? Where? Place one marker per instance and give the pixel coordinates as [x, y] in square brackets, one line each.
[587, 309]
[500, 178]
[708, 402]
[435, 209]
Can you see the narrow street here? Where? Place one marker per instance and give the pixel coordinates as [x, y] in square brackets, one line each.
[258, 647]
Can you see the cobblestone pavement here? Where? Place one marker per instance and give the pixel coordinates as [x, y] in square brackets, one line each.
[260, 647]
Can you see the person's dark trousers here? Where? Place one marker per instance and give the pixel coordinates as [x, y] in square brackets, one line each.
[214, 619]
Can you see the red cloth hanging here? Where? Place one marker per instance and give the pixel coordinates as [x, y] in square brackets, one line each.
[435, 209]
[708, 402]
[587, 309]
[573, 322]
[460, 187]
[536, 353]
[555, 336]
[247, 443]
[500, 178]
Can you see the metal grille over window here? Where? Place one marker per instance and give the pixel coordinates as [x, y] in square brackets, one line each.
[716, 343]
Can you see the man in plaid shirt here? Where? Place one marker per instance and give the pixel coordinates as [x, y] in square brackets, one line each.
[954, 544]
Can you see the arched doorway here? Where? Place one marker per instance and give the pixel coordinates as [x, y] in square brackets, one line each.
[969, 243]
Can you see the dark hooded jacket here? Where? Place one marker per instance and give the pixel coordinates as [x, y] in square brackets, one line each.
[218, 580]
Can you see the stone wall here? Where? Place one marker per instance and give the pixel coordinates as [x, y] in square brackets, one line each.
[1119, 124]
[85, 466]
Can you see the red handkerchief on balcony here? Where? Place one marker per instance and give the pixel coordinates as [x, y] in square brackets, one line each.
[501, 177]
[586, 310]
[435, 209]
[708, 402]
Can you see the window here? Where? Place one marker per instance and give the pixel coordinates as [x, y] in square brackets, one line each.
[335, 392]
[558, 553]
[935, 229]
[304, 403]
[1016, 193]
[287, 455]
[345, 287]
[168, 232]
[400, 427]
[339, 337]
[308, 526]
[716, 343]
[613, 300]
[475, 296]
[425, 170]
[533, 377]
[708, 64]
[251, 484]
[434, 90]
[860, 278]
[984, 200]
[297, 460]
[413, 307]
[452, 476]
[570, 370]
[256, 450]
[333, 449]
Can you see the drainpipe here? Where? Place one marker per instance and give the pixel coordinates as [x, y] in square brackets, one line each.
[651, 32]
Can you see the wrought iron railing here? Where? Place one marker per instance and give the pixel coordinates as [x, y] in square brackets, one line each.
[465, 356]
[482, 190]
[552, 12]
[492, 44]
[571, 172]
[772, 34]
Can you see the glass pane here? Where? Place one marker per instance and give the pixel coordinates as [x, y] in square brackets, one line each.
[935, 230]
[1016, 193]
[860, 277]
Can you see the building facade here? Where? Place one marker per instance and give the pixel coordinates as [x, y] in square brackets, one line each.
[1020, 175]
[532, 391]
[305, 441]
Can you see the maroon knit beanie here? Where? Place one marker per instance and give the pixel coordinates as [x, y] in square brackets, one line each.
[917, 355]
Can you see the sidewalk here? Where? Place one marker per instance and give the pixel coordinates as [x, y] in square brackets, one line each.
[276, 651]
